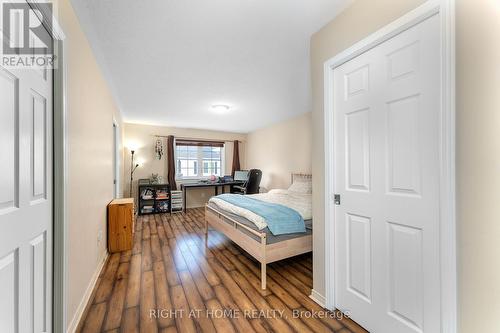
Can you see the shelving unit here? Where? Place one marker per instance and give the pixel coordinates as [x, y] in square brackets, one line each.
[176, 201]
[154, 198]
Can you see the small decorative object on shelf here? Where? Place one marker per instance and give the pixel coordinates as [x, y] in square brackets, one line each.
[154, 198]
[155, 178]
[176, 201]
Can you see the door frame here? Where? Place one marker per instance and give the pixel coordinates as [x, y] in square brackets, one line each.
[60, 247]
[60, 169]
[447, 229]
[116, 159]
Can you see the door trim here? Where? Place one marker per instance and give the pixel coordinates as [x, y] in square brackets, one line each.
[60, 176]
[446, 9]
[116, 160]
[60, 167]
[60, 286]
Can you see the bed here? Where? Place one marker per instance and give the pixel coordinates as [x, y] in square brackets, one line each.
[259, 242]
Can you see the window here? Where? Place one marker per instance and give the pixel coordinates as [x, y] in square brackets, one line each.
[199, 159]
[212, 161]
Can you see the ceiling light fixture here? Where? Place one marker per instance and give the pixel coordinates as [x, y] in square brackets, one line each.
[220, 107]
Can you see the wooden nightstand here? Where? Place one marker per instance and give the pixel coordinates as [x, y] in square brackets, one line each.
[121, 223]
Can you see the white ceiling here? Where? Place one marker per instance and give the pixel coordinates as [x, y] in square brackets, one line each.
[168, 61]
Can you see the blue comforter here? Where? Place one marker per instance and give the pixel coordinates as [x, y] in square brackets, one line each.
[280, 219]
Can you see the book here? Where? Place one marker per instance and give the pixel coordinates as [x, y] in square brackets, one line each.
[147, 194]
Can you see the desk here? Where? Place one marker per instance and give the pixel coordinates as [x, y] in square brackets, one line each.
[215, 185]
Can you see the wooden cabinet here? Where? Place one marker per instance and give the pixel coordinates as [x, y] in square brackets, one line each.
[120, 225]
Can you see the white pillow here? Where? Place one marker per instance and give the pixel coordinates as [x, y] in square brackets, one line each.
[302, 187]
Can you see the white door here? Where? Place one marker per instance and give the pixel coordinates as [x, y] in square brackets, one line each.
[25, 200]
[386, 131]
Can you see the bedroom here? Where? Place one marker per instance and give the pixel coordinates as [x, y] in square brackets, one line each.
[249, 166]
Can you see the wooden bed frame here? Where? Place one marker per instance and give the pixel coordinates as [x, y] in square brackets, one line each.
[259, 249]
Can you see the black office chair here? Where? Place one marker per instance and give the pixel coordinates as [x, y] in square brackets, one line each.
[252, 185]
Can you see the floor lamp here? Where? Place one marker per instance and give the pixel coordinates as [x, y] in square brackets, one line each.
[132, 169]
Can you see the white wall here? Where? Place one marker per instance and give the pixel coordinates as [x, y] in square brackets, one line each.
[478, 144]
[91, 110]
[478, 164]
[142, 136]
[280, 150]
[356, 22]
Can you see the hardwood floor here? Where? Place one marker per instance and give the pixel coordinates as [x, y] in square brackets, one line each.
[174, 281]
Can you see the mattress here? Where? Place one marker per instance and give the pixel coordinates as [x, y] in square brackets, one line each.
[299, 202]
[271, 239]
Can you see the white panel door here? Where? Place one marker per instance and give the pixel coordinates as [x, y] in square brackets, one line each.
[25, 200]
[386, 131]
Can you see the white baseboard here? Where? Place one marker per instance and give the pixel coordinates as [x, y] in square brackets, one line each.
[318, 298]
[86, 297]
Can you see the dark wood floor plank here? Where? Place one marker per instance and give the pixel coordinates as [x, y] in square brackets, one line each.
[298, 265]
[147, 263]
[152, 225]
[217, 251]
[315, 324]
[180, 264]
[303, 298]
[166, 227]
[171, 329]
[195, 302]
[260, 326]
[239, 320]
[170, 269]
[200, 245]
[146, 231]
[155, 248]
[116, 303]
[244, 303]
[130, 320]
[221, 322]
[174, 267]
[163, 302]
[137, 248]
[125, 256]
[212, 278]
[95, 318]
[148, 323]
[276, 322]
[161, 233]
[201, 282]
[254, 280]
[108, 279]
[290, 276]
[112, 331]
[299, 275]
[134, 282]
[183, 322]
[296, 323]
[227, 243]
[139, 221]
[275, 287]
